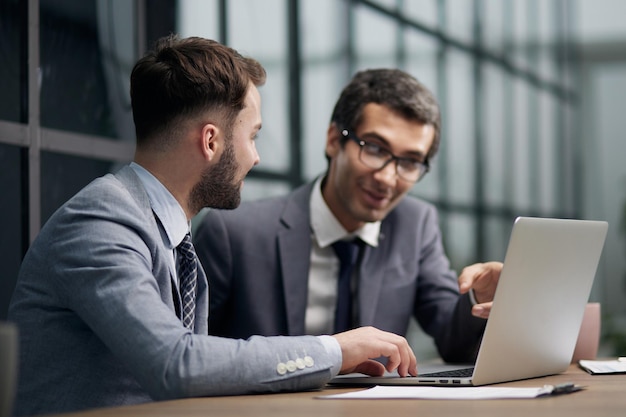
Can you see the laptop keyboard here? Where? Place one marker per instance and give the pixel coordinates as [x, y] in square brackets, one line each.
[460, 373]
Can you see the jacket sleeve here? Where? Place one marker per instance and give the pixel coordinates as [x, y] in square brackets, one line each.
[439, 308]
[168, 360]
[104, 269]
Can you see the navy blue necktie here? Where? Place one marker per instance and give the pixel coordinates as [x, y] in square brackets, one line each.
[187, 269]
[347, 252]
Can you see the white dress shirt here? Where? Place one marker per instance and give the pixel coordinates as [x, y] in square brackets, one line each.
[324, 271]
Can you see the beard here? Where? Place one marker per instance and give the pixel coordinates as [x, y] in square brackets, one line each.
[218, 187]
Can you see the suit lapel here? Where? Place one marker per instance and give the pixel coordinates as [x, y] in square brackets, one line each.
[294, 246]
[131, 181]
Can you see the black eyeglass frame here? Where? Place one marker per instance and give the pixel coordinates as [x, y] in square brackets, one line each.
[422, 167]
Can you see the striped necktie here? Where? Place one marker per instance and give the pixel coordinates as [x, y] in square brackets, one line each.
[187, 269]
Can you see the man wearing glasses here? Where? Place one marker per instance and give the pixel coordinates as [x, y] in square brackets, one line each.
[276, 266]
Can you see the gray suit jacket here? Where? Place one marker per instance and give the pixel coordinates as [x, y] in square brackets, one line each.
[257, 261]
[97, 307]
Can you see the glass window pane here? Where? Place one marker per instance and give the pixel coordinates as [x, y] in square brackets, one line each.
[459, 19]
[496, 143]
[62, 176]
[421, 57]
[321, 88]
[521, 161]
[602, 163]
[509, 127]
[118, 54]
[73, 92]
[255, 189]
[569, 174]
[458, 130]
[533, 169]
[520, 34]
[12, 68]
[11, 212]
[422, 11]
[266, 41]
[497, 233]
[493, 25]
[323, 42]
[375, 39]
[273, 143]
[460, 239]
[546, 39]
[421, 62]
[549, 156]
[198, 18]
[323, 77]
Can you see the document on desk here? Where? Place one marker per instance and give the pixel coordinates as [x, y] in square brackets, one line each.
[604, 367]
[455, 393]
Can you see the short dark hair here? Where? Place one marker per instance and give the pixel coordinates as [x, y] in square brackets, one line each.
[393, 88]
[181, 78]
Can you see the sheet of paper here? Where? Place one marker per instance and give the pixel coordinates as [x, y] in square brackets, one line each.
[603, 367]
[443, 393]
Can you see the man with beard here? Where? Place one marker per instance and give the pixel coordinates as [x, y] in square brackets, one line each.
[272, 264]
[111, 302]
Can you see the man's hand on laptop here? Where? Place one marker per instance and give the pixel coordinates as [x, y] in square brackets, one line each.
[360, 346]
[482, 279]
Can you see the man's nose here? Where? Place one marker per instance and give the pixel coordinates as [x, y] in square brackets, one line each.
[388, 173]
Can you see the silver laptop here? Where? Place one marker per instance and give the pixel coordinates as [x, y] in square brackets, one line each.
[537, 311]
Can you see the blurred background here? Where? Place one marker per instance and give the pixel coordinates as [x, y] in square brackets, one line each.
[532, 92]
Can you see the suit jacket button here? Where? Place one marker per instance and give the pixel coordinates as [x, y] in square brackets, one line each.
[281, 368]
[300, 363]
[291, 366]
[308, 361]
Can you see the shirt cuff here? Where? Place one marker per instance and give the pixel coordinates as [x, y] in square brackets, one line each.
[334, 351]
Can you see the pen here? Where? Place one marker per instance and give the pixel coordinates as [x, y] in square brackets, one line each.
[564, 388]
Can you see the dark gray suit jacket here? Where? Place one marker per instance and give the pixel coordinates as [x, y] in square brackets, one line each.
[257, 262]
[98, 311]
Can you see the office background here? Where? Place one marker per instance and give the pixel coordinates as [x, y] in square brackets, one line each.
[532, 94]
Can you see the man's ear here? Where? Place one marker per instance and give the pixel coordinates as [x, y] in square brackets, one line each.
[333, 140]
[211, 141]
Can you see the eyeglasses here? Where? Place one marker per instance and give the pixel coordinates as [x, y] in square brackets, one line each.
[375, 156]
